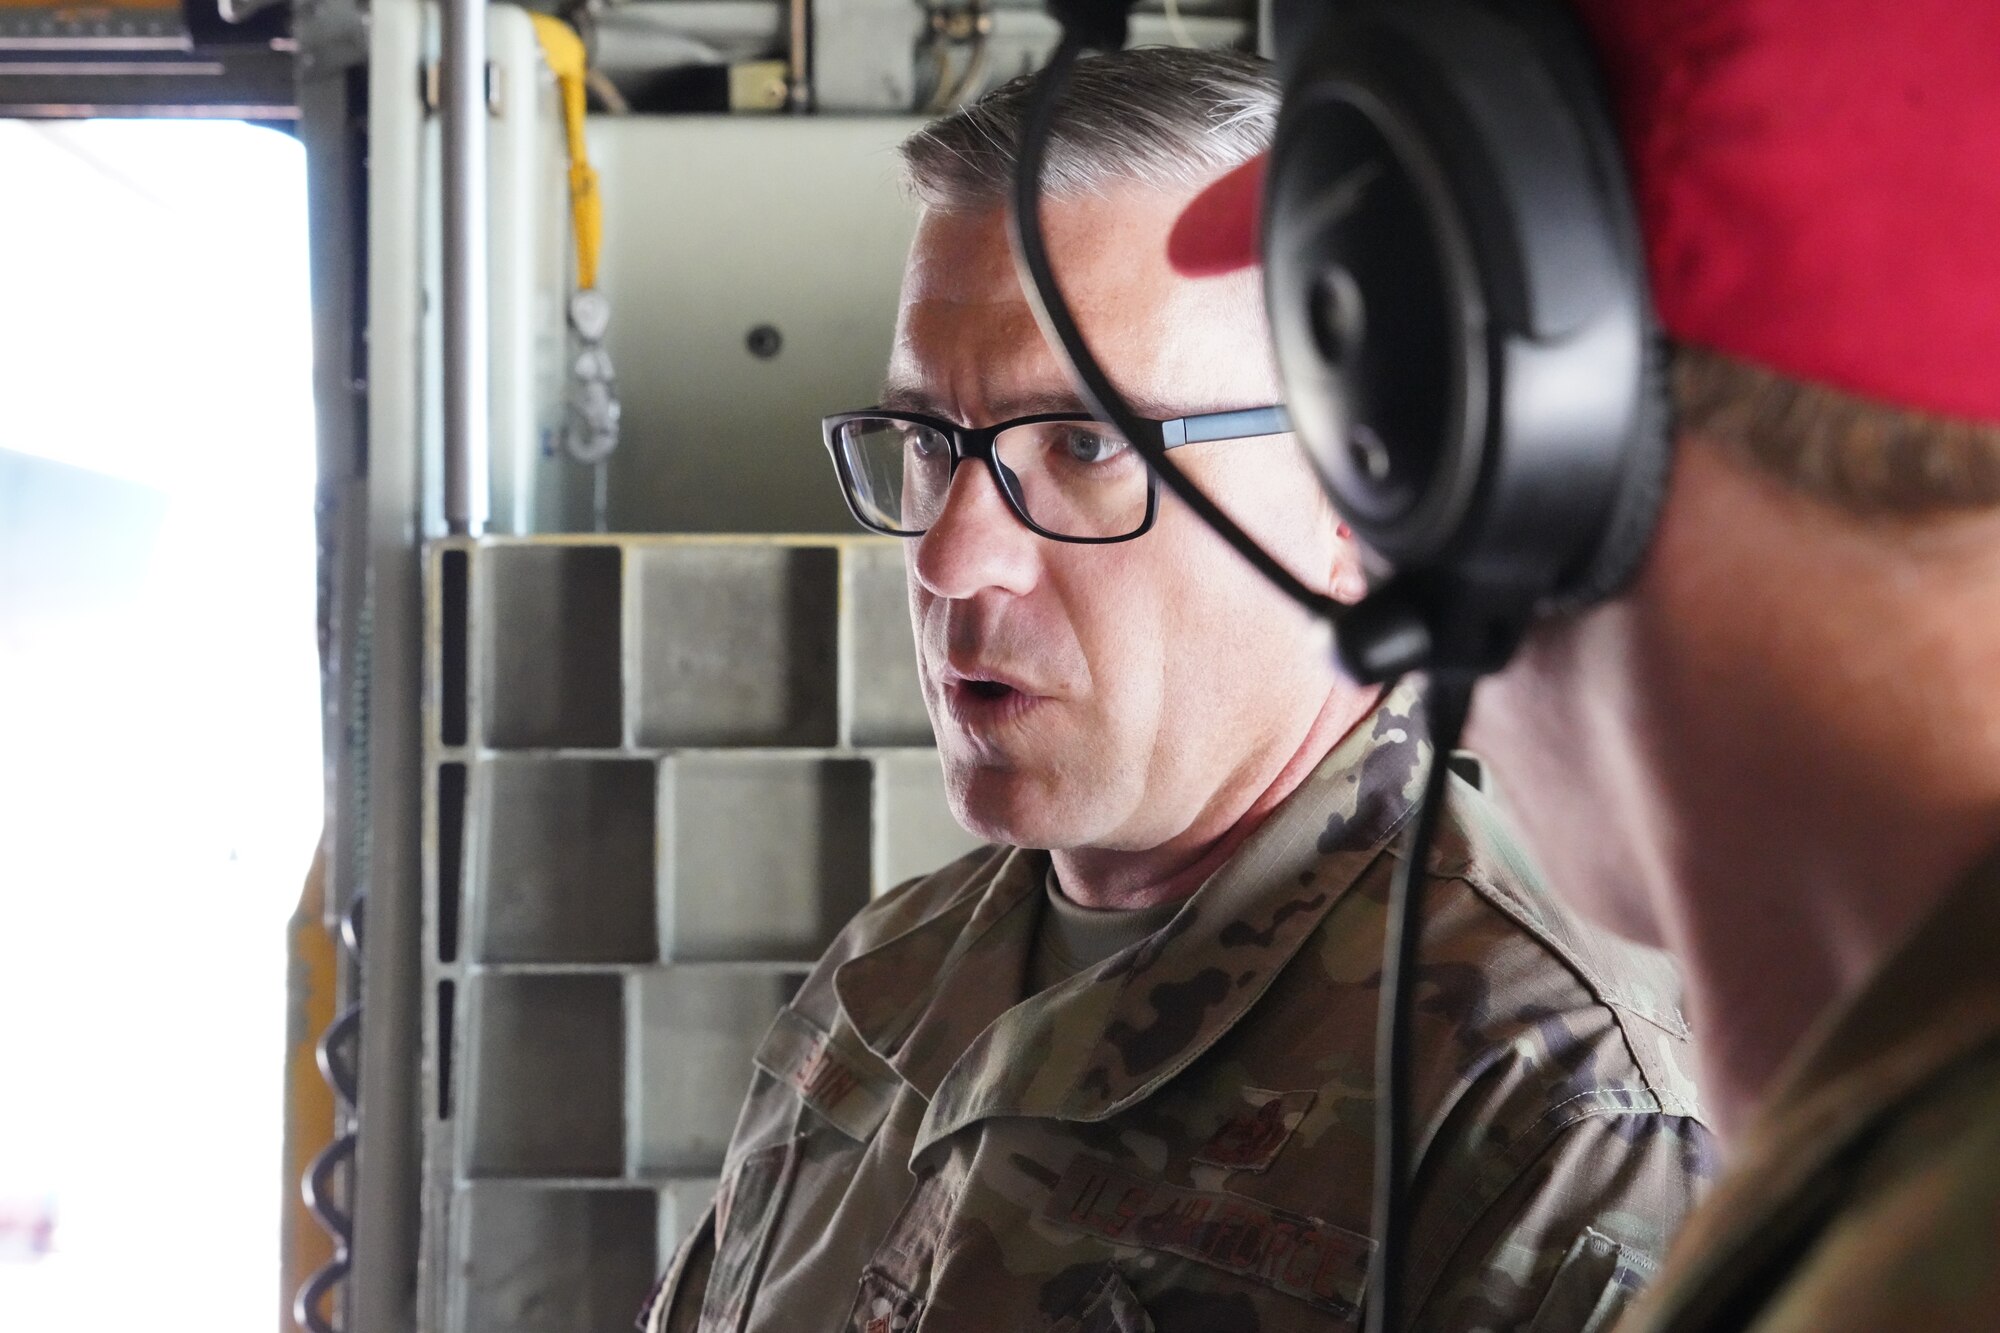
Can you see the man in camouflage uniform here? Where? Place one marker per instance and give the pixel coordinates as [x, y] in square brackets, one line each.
[1778, 753]
[1128, 1084]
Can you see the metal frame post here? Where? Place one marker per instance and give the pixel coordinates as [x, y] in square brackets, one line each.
[467, 333]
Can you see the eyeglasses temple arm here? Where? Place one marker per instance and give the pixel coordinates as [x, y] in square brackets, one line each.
[1246, 424]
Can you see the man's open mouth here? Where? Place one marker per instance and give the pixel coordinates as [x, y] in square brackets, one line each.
[979, 703]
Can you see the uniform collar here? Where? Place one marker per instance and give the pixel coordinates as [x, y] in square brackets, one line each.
[920, 999]
[1935, 1001]
[1108, 1037]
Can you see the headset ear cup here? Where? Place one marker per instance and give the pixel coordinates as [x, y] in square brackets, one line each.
[1641, 491]
[1541, 491]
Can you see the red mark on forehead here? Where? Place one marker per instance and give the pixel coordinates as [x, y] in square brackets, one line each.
[1218, 232]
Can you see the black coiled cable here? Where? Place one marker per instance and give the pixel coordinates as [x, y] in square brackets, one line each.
[330, 1177]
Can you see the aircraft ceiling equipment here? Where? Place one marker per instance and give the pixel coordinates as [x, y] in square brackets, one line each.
[209, 58]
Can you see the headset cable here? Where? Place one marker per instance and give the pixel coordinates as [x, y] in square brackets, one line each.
[1447, 697]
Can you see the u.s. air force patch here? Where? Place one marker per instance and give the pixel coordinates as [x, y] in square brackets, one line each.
[1315, 1261]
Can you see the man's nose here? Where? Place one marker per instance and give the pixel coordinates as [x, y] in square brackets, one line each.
[977, 542]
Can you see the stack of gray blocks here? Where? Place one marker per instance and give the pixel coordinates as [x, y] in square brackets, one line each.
[663, 772]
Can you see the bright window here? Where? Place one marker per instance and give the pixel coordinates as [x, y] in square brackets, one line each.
[159, 718]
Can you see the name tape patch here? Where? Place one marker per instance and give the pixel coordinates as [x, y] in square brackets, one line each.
[823, 1078]
[835, 1082]
[1321, 1264]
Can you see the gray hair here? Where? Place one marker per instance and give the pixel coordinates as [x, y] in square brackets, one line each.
[1155, 115]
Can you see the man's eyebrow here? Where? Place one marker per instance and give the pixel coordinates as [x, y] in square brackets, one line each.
[905, 397]
[908, 397]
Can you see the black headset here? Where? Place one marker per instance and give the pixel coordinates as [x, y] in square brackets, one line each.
[1457, 288]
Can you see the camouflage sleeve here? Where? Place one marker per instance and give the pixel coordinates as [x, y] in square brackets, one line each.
[1574, 1237]
[1915, 1243]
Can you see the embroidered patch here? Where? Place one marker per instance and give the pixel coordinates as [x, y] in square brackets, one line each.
[882, 1306]
[1251, 1138]
[837, 1082]
[1319, 1263]
[823, 1078]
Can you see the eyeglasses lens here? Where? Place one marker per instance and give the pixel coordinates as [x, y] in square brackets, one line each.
[1076, 478]
[1073, 478]
[900, 471]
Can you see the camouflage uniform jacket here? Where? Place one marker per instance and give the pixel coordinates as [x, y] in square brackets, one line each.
[1866, 1193]
[1180, 1138]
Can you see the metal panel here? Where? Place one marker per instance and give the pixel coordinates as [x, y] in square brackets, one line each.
[682, 1203]
[715, 228]
[636, 909]
[550, 645]
[547, 1076]
[914, 829]
[535, 1259]
[224, 85]
[767, 855]
[562, 869]
[886, 706]
[864, 54]
[694, 1030]
[736, 645]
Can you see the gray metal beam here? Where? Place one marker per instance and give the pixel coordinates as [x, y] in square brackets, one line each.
[382, 1291]
[467, 335]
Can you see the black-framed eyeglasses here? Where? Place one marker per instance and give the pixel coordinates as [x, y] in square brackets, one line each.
[1069, 478]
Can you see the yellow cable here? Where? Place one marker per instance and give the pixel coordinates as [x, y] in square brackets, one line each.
[563, 50]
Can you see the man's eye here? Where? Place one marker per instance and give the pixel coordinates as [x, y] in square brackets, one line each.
[924, 443]
[1084, 445]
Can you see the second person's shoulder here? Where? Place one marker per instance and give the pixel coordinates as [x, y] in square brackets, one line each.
[1554, 959]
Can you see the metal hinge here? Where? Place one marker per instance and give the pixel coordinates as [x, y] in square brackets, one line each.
[430, 86]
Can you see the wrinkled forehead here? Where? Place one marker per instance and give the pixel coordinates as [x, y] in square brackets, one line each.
[960, 257]
[966, 335]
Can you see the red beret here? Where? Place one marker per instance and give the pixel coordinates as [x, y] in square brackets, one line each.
[1818, 180]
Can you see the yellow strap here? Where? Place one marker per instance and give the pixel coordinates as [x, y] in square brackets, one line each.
[563, 50]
